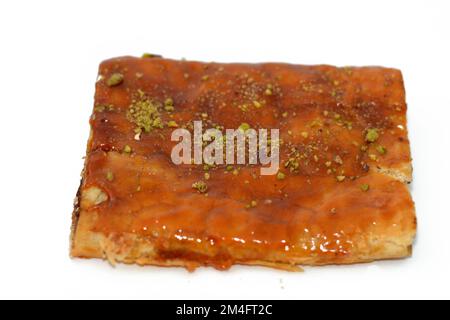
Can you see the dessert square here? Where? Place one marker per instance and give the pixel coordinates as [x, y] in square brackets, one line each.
[338, 196]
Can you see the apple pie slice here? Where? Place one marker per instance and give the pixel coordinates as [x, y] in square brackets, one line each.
[339, 196]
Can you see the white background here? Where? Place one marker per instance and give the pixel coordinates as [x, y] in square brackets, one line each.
[49, 54]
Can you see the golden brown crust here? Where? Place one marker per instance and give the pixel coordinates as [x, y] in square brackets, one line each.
[138, 207]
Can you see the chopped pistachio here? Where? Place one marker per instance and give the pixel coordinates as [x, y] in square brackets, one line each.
[229, 168]
[150, 55]
[144, 113]
[280, 175]
[168, 102]
[207, 175]
[103, 107]
[340, 178]
[127, 149]
[243, 107]
[157, 123]
[200, 186]
[284, 114]
[252, 204]
[244, 127]
[292, 164]
[109, 176]
[365, 187]
[169, 108]
[381, 150]
[305, 134]
[172, 124]
[373, 157]
[235, 172]
[268, 92]
[316, 123]
[205, 77]
[257, 104]
[115, 79]
[372, 135]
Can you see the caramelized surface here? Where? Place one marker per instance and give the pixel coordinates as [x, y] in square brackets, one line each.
[319, 213]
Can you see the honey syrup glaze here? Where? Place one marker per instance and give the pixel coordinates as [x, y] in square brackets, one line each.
[329, 203]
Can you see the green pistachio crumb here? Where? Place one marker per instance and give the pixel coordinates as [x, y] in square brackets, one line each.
[205, 78]
[115, 79]
[150, 55]
[229, 168]
[109, 176]
[244, 127]
[200, 186]
[381, 150]
[127, 149]
[168, 102]
[207, 175]
[252, 204]
[157, 123]
[365, 187]
[305, 134]
[372, 135]
[103, 107]
[172, 124]
[281, 175]
[257, 104]
[145, 114]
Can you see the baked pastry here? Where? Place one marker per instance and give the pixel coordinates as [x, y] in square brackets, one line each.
[340, 194]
